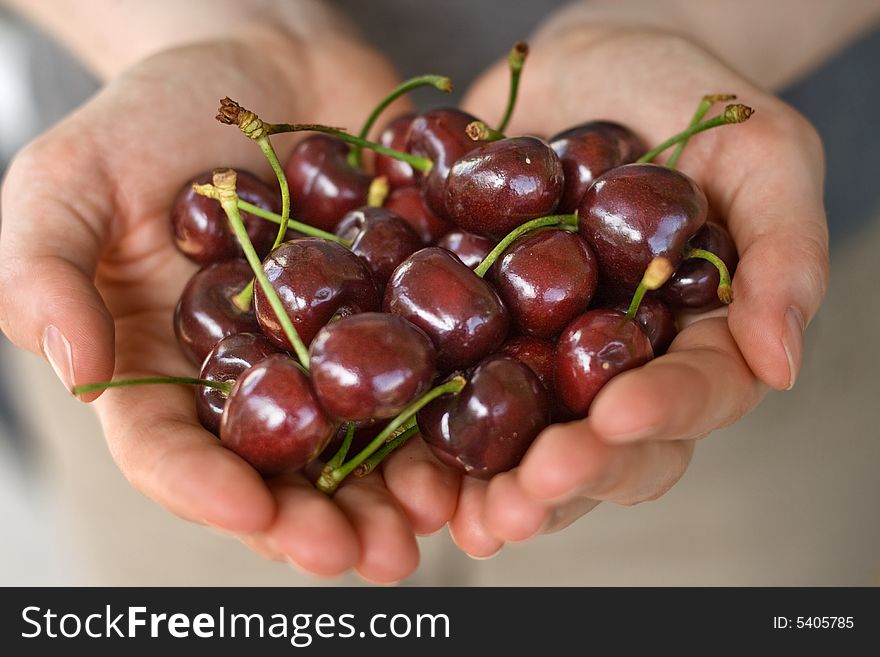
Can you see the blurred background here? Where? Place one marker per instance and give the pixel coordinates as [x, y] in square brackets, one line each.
[786, 497]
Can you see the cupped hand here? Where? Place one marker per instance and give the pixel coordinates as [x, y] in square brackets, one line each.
[763, 179]
[89, 277]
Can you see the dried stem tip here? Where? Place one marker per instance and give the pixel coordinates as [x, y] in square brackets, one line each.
[718, 98]
[231, 113]
[224, 182]
[658, 272]
[737, 113]
[518, 55]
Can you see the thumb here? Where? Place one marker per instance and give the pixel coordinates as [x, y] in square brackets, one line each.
[50, 241]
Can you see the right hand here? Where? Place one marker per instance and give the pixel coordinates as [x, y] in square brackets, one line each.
[89, 277]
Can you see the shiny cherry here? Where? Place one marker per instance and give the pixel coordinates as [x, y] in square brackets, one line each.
[459, 311]
[655, 317]
[370, 365]
[539, 355]
[207, 312]
[323, 185]
[395, 135]
[273, 419]
[440, 135]
[588, 150]
[694, 285]
[594, 348]
[546, 278]
[471, 249]
[637, 212]
[316, 280]
[201, 229]
[226, 362]
[409, 204]
[381, 238]
[487, 427]
[502, 184]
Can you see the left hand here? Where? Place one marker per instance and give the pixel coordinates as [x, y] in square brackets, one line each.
[763, 178]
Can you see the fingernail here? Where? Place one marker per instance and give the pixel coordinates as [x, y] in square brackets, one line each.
[486, 557]
[57, 350]
[793, 342]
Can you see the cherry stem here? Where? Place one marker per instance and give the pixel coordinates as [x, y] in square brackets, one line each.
[342, 452]
[705, 105]
[370, 464]
[378, 192]
[515, 61]
[330, 479]
[243, 299]
[292, 224]
[223, 386]
[479, 131]
[657, 273]
[270, 154]
[439, 82]
[732, 114]
[567, 220]
[417, 162]
[223, 190]
[725, 291]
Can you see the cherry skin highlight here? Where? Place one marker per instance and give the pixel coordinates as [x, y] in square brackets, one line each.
[323, 185]
[502, 184]
[206, 312]
[588, 150]
[370, 366]
[594, 348]
[396, 136]
[546, 278]
[201, 229]
[273, 419]
[460, 312]
[489, 425]
[316, 280]
[637, 212]
[381, 238]
[227, 361]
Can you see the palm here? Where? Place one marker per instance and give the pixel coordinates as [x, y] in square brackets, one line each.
[760, 179]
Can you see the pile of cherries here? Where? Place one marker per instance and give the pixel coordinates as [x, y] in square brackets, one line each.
[468, 290]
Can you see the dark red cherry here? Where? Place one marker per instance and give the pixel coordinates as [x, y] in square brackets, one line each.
[594, 348]
[395, 135]
[315, 280]
[546, 278]
[587, 151]
[323, 185]
[459, 311]
[226, 362]
[637, 212]
[440, 135]
[201, 229]
[207, 312]
[694, 285]
[409, 203]
[370, 365]
[539, 355]
[656, 319]
[381, 238]
[502, 184]
[489, 425]
[273, 419]
[471, 249]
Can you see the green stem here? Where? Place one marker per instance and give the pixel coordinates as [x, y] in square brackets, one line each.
[732, 114]
[269, 152]
[705, 105]
[230, 206]
[725, 291]
[292, 224]
[515, 61]
[342, 452]
[534, 224]
[422, 164]
[439, 82]
[224, 386]
[243, 299]
[370, 464]
[656, 274]
[641, 290]
[330, 480]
